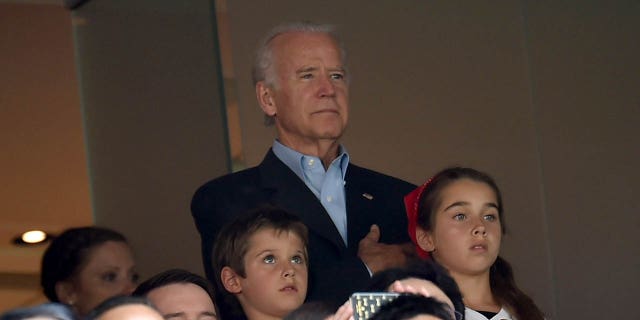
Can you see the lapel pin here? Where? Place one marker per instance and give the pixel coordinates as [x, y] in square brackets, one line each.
[368, 196]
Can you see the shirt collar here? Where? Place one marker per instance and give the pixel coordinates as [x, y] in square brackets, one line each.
[294, 159]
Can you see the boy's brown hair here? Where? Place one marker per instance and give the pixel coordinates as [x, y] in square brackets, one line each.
[232, 244]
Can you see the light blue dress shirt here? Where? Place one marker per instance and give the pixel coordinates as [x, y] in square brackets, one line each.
[328, 186]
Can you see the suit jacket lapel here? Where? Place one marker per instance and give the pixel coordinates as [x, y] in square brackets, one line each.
[290, 193]
[360, 204]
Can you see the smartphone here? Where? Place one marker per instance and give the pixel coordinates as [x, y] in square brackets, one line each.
[365, 304]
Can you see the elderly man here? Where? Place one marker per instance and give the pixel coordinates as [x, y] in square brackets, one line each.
[356, 218]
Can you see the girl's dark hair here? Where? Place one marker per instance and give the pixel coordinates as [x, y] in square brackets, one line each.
[119, 301]
[67, 254]
[427, 270]
[408, 306]
[430, 198]
[503, 285]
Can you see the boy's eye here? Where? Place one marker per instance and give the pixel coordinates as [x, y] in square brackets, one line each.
[491, 217]
[269, 259]
[297, 259]
[306, 76]
[459, 217]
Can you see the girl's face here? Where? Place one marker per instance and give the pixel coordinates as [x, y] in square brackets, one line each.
[466, 229]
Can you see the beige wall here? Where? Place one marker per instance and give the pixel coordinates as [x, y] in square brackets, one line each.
[585, 78]
[154, 117]
[43, 172]
[543, 95]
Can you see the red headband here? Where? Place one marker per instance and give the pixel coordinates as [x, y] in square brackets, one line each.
[411, 203]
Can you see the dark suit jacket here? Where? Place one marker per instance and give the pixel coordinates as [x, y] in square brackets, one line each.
[335, 271]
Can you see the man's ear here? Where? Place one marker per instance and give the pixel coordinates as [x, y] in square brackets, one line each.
[230, 280]
[66, 292]
[425, 240]
[264, 93]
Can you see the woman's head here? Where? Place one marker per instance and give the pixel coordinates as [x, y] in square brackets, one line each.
[84, 266]
[458, 219]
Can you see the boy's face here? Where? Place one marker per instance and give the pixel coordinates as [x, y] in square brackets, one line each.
[276, 274]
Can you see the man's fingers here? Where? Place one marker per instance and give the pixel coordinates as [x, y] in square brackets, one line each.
[374, 233]
[397, 286]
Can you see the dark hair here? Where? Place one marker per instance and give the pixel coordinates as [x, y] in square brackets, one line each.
[67, 255]
[118, 301]
[174, 276]
[316, 310]
[503, 286]
[502, 282]
[407, 306]
[232, 244]
[54, 310]
[427, 270]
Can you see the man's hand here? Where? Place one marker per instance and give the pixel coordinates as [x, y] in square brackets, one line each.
[380, 256]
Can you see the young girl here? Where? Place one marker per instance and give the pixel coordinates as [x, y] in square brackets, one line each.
[456, 219]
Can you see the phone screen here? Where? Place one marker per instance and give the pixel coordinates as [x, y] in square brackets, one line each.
[365, 304]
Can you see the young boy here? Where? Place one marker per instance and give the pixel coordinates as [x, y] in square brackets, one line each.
[260, 261]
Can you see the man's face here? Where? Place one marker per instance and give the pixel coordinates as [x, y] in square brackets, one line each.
[183, 301]
[309, 97]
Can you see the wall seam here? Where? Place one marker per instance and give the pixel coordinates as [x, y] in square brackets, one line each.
[538, 151]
